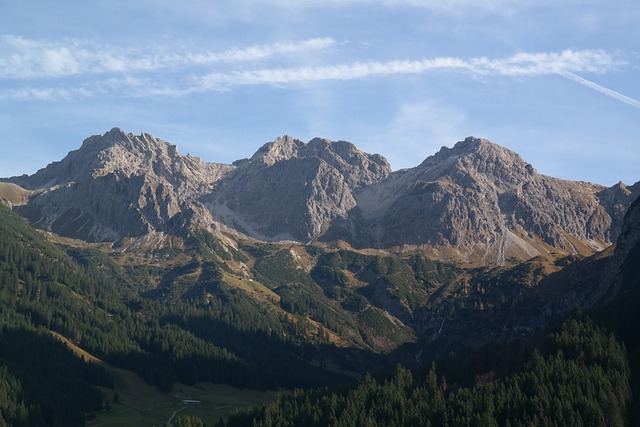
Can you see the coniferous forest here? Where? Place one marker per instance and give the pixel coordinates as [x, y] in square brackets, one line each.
[584, 371]
[581, 371]
[585, 380]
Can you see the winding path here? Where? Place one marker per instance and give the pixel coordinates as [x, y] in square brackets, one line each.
[174, 414]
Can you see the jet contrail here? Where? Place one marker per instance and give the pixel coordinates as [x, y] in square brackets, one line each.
[601, 89]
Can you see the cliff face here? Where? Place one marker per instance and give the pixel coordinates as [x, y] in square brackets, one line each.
[475, 201]
[623, 267]
[118, 185]
[289, 190]
[486, 202]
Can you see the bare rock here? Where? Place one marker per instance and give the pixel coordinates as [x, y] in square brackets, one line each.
[476, 201]
[289, 190]
[487, 203]
[117, 185]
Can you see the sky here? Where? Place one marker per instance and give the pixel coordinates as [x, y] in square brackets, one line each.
[557, 81]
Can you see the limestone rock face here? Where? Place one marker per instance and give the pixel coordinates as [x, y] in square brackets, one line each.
[484, 201]
[289, 190]
[622, 267]
[118, 185]
[13, 195]
[616, 200]
[476, 201]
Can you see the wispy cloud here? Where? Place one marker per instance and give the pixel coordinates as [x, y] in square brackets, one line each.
[257, 52]
[542, 63]
[42, 94]
[130, 76]
[22, 58]
[521, 64]
[591, 85]
[348, 71]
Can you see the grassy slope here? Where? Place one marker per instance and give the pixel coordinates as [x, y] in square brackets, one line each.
[143, 405]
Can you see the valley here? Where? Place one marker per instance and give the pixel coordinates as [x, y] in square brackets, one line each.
[161, 277]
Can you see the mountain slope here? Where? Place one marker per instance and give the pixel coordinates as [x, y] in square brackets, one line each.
[289, 190]
[583, 371]
[118, 185]
[476, 201]
[487, 203]
[41, 381]
[208, 301]
[208, 305]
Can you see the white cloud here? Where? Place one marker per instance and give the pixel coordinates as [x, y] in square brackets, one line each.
[541, 63]
[22, 58]
[521, 64]
[130, 76]
[37, 94]
[257, 52]
[348, 71]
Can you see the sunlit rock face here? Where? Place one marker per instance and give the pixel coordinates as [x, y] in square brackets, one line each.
[476, 201]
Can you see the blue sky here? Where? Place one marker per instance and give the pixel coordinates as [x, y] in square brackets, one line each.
[556, 81]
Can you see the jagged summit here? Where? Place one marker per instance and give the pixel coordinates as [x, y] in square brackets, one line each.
[358, 168]
[342, 155]
[290, 190]
[475, 200]
[108, 139]
[282, 148]
[121, 154]
[145, 147]
[480, 155]
[486, 202]
[99, 155]
[117, 185]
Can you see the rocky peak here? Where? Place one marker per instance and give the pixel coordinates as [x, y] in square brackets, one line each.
[100, 155]
[479, 156]
[290, 190]
[615, 200]
[630, 233]
[626, 255]
[283, 148]
[119, 184]
[358, 167]
[125, 155]
[486, 202]
[96, 143]
[476, 200]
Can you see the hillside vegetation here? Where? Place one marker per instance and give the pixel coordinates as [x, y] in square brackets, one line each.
[202, 309]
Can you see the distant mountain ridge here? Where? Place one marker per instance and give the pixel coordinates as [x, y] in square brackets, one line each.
[475, 201]
[289, 190]
[483, 199]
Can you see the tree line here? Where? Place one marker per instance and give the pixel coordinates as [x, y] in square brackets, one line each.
[585, 380]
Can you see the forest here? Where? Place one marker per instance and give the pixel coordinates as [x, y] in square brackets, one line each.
[82, 295]
[194, 326]
[582, 371]
[585, 380]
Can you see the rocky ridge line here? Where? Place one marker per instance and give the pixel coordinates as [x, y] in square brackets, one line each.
[476, 201]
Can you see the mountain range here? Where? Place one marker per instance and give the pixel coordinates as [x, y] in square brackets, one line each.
[476, 201]
[305, 265]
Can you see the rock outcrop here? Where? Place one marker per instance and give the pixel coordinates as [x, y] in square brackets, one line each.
[289, 190]
[623, 265]
[119, 185]
[476, 201]
[487, 203]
